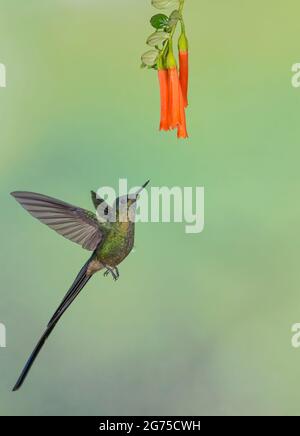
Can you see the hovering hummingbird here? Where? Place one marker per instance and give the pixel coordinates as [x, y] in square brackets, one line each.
[109, 234]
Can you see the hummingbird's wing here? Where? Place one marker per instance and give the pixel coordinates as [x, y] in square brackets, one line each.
[72, 222]
[98, 201]
[104, 211]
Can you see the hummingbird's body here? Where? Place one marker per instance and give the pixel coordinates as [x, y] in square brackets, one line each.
[110, 240]
[117, 245]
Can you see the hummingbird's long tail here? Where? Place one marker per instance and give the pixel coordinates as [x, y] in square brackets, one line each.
[79, 283]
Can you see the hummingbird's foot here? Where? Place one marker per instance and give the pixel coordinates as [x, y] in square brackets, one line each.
[113, 271]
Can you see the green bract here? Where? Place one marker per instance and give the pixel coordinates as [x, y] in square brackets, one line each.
[162, 39]
[159, 21]
[149, 59]
[163, 4]
[174, 17]
[157, 38]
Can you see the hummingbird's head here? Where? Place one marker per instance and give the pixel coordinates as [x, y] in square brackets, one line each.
[126, 204]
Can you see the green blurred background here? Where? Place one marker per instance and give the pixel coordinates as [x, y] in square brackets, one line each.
[197, 324]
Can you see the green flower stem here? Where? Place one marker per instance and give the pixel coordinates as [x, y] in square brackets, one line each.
[168, 47]
[181, 5]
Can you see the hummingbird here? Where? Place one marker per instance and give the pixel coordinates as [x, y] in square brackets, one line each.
[108, 233]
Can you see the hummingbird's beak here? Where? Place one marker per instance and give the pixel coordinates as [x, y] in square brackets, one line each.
[141, 189]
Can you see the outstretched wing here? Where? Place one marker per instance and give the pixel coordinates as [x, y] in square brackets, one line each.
[104, 211]
[76, 224]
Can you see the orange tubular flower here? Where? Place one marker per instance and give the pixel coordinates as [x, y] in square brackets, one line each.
[182, 130]
[184, 74]
[184, 66]
[164, 97]
[173, 74]
[174, 90]
[174, 100]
